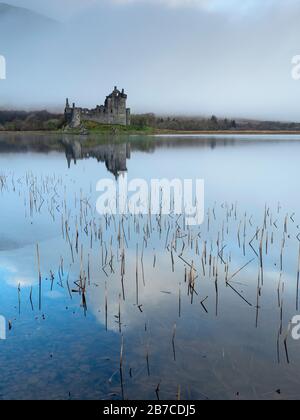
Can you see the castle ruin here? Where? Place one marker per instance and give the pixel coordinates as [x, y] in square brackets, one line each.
[113, 112]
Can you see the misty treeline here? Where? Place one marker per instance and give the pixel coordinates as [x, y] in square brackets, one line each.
[181, 123]
[47, 121]
[30, 121]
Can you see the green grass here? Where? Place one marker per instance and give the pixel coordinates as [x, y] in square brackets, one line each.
[96, 128]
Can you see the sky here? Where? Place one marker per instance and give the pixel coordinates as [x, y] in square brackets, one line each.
[63, 9]
[230, 58]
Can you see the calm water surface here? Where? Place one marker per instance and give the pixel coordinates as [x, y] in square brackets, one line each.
[201, 319]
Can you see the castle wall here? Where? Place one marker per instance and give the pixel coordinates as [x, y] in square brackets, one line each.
[128, 117]
[95, 116]
[76, 118]
[113, 112]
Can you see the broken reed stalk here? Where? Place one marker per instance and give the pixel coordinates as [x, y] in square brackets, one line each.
[123, 272]
[278, 347]
[30, 299]
[157, 391]
[281, 316]
[119, 315]
[202, 304]
[172, 259]
[89, 271]
[261, 257]
[143, 270]
[179, 301]
[173, 342]
[242, 297]
[121, 367]
[106, 308]
[19, 297]
[281, 254]
[278, 290]
[137, 275]
[217, 298]
[238, 271]
[147, 361]
[257, 299]
[68, 284]
[285, 344]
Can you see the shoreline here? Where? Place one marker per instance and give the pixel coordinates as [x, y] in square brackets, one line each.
[157, 133]
[237, 133]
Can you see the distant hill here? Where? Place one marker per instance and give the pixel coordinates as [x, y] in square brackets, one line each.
[8, 11]
[16, 19]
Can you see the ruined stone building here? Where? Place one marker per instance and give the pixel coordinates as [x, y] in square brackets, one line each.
[114, 111]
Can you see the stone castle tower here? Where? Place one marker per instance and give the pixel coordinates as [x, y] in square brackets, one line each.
[114, 111]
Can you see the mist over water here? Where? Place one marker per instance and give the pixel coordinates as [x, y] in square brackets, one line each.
[223, 60]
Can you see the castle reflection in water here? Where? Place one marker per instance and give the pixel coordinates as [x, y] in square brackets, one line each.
[113, 155]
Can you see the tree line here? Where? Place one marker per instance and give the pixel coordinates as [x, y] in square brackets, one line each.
[30, 121]
[181, 123]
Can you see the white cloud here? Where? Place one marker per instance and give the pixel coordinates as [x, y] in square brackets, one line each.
[16, 281]
[230, 6]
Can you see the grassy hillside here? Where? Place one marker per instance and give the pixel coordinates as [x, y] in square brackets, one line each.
[96, 128]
